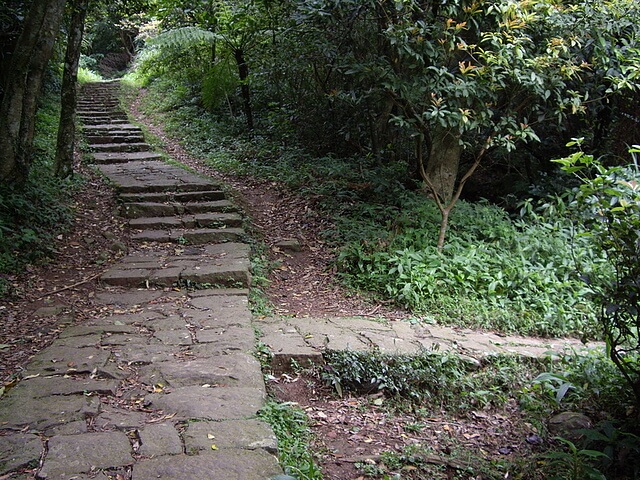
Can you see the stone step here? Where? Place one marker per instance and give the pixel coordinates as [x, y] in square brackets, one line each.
[154, 176]
[107, 113]
[87, 107]
[198, 221]
[101, 123]
[212, 195]
[121, 147]
[126, 138]
[110, 128]
[225, 264]
[167, 186]
[167, 209]
[98, 119]
[196, 236]
[124, 157]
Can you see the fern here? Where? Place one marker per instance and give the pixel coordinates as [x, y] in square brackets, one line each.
[183, 38]
[218, 84]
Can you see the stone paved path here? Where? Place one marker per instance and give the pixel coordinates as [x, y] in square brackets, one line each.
[163, 383]
[304, 339]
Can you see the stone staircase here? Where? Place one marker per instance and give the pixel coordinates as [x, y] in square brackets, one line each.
[164, 204]
[159, 382]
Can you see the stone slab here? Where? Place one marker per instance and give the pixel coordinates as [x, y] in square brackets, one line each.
[324, 333]
[19, 450]
[81, 330]
[62, 359]
[389, 343]
[110, 418]
[200, 220]
[69, 454]
[239, 370]
[214, 200]
[241, 337]
[180, 337]
[132, 298]
[154, 176]
[79, 341]
[121, 147]
[40, 387]
[227, 265]
[159, 439]
[195, 236]
[245, 434]
[17, 411]
[217, 403]
[227, 464]
[72, 428]
[234, 340]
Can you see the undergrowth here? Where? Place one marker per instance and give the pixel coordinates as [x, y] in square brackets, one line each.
[433, 384]
[32, 215]
[291, 427]
[433, 380]
[512, 274]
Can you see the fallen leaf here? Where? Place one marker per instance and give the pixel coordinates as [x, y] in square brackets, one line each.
[214, 447]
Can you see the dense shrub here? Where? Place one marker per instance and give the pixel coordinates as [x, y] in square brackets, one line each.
[495, 272]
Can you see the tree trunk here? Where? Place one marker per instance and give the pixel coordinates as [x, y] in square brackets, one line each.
[69, 94]
[243, 73]
[444, 160]
[18, 107]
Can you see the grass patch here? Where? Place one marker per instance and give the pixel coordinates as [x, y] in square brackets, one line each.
[292, 431]
[433, 380]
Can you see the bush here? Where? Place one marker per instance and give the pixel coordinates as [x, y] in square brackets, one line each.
[495, 272]
[608, 204]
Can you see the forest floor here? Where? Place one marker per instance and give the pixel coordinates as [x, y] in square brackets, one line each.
[348, 430]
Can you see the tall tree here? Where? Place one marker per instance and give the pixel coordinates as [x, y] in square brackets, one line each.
[66, 130]
[19, 102]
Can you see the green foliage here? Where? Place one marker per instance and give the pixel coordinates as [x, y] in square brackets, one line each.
[33, 215]
[573, 463]
[621, 449]
[291, 427]
[446, 380]
[260, 267]
[218, 85]
[513, 276]
[608, 204]
[587, 381]
[580, 381]
[87, 76]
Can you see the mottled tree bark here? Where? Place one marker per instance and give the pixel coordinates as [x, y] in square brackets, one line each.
[444, 161]
[18, 107]
[69, 94]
